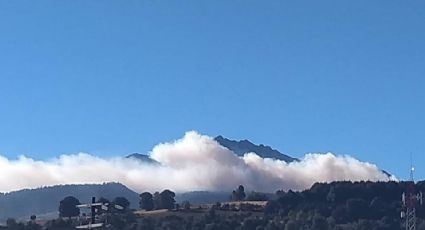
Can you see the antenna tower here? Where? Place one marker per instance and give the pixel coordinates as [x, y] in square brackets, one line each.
[410, 200]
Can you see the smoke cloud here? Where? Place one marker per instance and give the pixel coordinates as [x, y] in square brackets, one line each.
[194, 162]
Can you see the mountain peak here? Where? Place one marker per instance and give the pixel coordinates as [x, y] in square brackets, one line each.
[245, 146]
[142, 157]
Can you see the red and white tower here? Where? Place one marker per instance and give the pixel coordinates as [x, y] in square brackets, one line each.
[410, 200]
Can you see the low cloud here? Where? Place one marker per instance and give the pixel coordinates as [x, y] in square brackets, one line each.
[194, 162]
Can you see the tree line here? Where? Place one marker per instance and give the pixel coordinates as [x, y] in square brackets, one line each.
[334, 206]
[163, 200]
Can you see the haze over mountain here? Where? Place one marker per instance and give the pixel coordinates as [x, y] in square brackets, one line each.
[194, 162]
[199, 168]
[238, 147]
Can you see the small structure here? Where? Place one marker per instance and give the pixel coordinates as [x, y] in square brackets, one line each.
[94, 207]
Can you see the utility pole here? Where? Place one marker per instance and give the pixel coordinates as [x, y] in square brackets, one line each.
[410, 200]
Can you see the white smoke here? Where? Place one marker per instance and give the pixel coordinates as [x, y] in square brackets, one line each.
[195, 162]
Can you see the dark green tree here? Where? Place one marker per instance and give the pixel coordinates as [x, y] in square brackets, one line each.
[157, 200]
[103, 200]
[167, 199]
[67, 207]
[146, 201]
[238, 194]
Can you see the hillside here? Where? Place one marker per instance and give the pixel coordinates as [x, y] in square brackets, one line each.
[45, 201]
[337, 205]
[23, 203]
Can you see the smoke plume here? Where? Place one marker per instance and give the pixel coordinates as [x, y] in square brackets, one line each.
[194, 162]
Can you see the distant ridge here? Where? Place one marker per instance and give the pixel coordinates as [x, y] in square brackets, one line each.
[45, 200]
[245, 146]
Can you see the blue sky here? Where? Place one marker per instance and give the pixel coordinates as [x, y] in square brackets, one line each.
[116, 77]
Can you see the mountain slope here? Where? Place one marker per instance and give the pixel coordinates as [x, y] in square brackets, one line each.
[44, 202]
[24, 203]
[245, 146]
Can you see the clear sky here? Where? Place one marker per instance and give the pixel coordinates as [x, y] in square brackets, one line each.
[116, 77]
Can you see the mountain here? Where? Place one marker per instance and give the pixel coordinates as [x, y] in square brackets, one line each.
[245, 146]
[23, 203]
[142, 157]
[238, 147]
